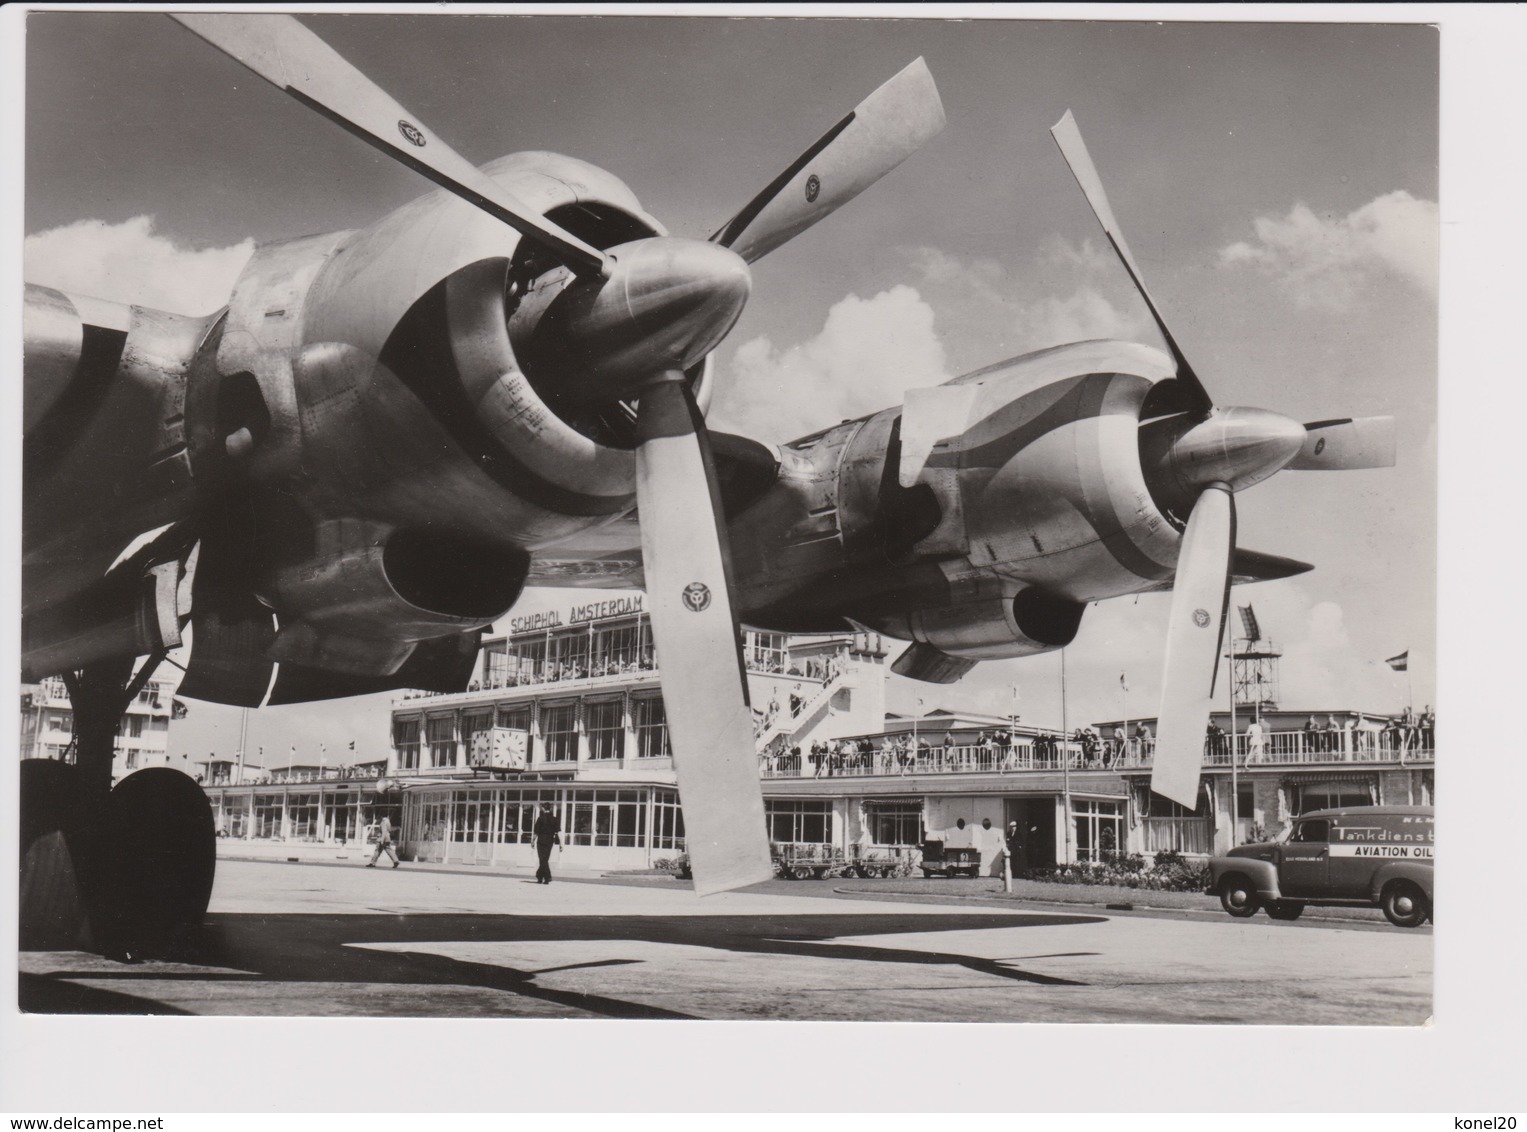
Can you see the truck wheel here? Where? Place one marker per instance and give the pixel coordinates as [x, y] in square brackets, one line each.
[1405, 905]
[1238, 897]
[927, 874]
[1285, 909]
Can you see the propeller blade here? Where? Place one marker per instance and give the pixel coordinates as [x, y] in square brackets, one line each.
[881, 132]
[290, 57]
[1195, 630]
[1074, 150]
[1346, 445]
[695, 631]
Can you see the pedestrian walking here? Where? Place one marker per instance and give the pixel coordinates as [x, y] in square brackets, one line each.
[1254, 742]
[546, 832]
[384, 843]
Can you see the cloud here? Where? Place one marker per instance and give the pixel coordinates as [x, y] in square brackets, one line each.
[1328, 260]
[131, 263]
[867, 354]
[1077, 292]
[870, 351]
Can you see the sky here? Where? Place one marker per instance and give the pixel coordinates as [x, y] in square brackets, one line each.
[1278, 185]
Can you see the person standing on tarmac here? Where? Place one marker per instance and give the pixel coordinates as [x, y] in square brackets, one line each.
[546, 832]
[384, 843]
[1017, 852]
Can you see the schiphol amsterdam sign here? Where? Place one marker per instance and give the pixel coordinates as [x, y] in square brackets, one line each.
[577, 615]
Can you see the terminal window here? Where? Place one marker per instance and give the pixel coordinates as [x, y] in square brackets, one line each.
[604, 720]
[559, 732]
[650, 723]
[567, 655]
[441, 732]
[302, 811]
[1330, 795]
[267, 815]
[616, 649]
[471, 816]
[405, 741]
[799, 822]
[895, 823]
[667, 822]
[605, 818]
[1098, 828]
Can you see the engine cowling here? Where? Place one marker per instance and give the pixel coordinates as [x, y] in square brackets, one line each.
[415, 312]
[416, 583]
[995, 626]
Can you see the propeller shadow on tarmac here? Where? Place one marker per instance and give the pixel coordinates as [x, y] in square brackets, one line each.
[250, 949]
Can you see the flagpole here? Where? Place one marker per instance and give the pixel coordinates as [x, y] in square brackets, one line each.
[1124, 748]
[1235, 783]
[1065, 755]
[238, 775]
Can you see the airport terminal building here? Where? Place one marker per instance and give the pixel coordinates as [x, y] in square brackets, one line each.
[568, 709]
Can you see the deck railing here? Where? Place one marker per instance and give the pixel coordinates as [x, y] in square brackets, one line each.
[1285, 748]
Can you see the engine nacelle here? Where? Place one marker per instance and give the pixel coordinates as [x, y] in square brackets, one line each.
[994, 626]
[418, 584]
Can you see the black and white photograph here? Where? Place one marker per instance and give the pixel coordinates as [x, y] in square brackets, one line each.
[657, 516]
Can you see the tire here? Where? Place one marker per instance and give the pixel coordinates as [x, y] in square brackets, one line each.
[927, 874]
[801, 872]
[161, 858]
[54, 858]
[866, 872]
[1238, 897]
[1285, 909]
[1405, 905]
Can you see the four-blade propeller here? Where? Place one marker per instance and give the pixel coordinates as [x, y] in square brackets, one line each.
[1205, 456]
[634, 319]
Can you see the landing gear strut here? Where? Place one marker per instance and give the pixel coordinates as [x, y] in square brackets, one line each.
[125, 871]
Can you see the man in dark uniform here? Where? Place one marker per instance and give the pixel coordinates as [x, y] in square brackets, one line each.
[1017, 851]
[546, 832]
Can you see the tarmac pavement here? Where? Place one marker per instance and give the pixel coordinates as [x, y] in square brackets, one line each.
[308, 940]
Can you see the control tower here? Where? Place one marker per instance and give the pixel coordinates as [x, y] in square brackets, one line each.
[1254, 666]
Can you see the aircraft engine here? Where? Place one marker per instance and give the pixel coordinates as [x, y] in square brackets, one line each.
[439, 306]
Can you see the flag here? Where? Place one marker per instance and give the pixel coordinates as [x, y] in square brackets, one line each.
[1123, 683]
[352, 744]
[1399, 663]
[178, 710]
